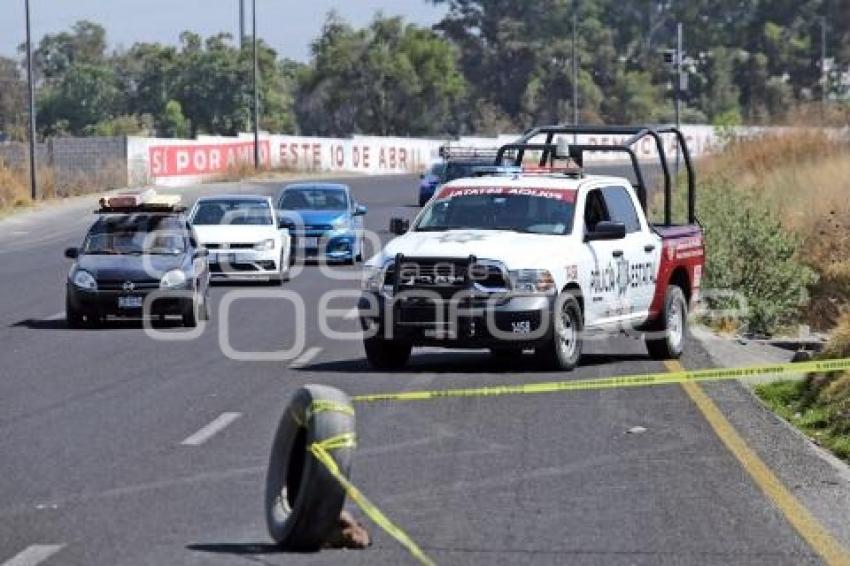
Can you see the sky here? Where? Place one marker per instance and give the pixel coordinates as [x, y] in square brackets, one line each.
[287, 25]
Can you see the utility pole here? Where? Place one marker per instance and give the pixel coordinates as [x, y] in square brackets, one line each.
[256, 93]
[31, 87]
[575, 68]
[824, 77]
[241, 23]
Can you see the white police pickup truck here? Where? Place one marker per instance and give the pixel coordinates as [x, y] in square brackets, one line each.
[532, 261]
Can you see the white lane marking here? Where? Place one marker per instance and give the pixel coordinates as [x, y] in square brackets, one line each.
[19, 232]
[352, 314]
[220, 423]
[35, 554]
[306, 357]
[55, 316]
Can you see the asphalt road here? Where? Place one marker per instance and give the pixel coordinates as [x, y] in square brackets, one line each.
[93, 468]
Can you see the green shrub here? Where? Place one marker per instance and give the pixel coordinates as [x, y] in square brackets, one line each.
[749, 252]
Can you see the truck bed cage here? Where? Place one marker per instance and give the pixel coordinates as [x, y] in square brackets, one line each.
[636, 133]
[460, 153]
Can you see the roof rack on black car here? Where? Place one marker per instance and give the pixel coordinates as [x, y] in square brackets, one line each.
[549, 153]
[141, 201]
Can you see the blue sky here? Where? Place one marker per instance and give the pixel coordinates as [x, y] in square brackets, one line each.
[288, 25]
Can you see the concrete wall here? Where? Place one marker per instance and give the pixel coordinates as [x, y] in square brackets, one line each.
[96, 162]
[172, 162]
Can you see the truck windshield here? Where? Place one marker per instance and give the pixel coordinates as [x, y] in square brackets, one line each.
[136, 235]
[501, 211]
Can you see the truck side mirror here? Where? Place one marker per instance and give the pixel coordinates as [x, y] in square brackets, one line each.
[606, 230]
[72, 253]
[399, 226]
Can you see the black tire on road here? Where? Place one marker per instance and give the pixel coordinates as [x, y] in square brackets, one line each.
[666, 340]
[563, 351]
[303, 500]
[73, 317]
[386, 354]
[191, 313]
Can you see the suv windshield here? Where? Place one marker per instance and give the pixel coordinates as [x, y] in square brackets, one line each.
[520, 210]
[135, 235]
[241, 212]
[313, 198]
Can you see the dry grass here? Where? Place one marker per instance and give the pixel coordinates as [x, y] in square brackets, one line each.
[804, 177]
[15, 184]
[14, 187]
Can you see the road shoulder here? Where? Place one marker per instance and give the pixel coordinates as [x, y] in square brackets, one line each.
[815, 477]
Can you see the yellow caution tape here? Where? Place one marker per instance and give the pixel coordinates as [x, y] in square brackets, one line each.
[346, 440]
[320, 451]
[321, 406]
[641, 380]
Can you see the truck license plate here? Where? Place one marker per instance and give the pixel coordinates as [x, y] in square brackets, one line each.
[129, 302]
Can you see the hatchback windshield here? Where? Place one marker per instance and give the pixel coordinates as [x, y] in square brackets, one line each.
[519, 210]
[135, 235]
[240, 212]
[313, 198]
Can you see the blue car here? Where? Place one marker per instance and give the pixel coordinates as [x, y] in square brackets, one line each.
[323, 220]
[429, 181]
[445, 171]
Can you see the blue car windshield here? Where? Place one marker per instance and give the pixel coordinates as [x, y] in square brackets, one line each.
[314, 198]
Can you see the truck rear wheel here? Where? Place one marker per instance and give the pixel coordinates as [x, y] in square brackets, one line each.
[666, 340]
[386, 354]
[564, 349]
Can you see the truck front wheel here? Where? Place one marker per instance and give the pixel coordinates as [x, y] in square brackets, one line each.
[564, 349]
[666, 340]
[386, 354]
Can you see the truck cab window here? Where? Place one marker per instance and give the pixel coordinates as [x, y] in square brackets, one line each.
[621, 208]
[594, 210]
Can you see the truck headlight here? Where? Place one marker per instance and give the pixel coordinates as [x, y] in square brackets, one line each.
[173, 279]
[264, 246]
[84, 280]
[373, 278]
[532, 281]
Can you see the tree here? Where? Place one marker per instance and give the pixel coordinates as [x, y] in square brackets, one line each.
[173, 123]
[86, 95]
[391, 78]
[13, 107]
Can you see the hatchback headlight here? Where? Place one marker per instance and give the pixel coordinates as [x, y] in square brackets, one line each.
[340, 223]
[173, 279]
[264, 246]
[373, 278]
[532, 281]
[84, 280]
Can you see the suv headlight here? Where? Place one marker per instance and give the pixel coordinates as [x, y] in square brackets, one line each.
[532, 281]
[373, 278]
[173, 279]
[264, 246]
[84, 280]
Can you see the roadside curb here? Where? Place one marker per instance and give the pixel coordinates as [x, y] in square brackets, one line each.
[719, 351]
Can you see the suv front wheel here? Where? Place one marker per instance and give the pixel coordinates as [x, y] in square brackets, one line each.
[564, 349]
[386, 354]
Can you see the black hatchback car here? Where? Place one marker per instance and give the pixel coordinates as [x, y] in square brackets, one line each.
[133, 257]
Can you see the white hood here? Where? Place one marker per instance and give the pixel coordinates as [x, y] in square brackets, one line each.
[229, 234]
[516, 250]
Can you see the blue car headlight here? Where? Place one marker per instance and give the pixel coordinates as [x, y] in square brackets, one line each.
[340, 223]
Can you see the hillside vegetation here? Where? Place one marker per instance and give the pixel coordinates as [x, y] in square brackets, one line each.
[777, 218]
